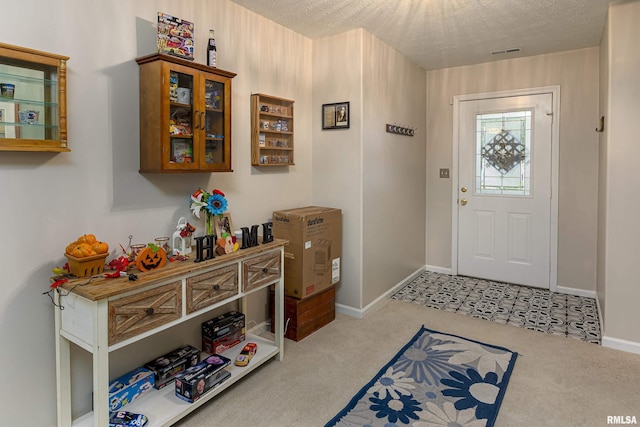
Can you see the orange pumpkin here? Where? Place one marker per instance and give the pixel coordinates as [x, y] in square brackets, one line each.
[150, 258]
[76, 252]
[86, 250]
[87, 238]
[100, 247]
[70, 247]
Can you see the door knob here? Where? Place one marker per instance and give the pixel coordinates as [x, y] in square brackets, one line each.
[463, 189]
[463, 202]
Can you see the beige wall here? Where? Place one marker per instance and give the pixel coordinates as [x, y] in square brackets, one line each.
[375, 177]
[620, 246]
[96, 188]
[603, 144]
[337, 154]
[394, 173]
[577, 74]
[48, 200]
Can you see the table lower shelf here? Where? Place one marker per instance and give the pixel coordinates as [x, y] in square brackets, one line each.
[164, 408]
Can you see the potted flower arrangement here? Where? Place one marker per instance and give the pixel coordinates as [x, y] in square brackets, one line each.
[213, 203]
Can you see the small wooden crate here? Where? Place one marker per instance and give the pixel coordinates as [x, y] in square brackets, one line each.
[87, 266]
[302, 317]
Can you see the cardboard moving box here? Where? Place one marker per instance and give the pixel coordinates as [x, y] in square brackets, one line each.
[312, 257]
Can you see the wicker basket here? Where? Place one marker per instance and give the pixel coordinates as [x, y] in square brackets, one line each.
[87, 266]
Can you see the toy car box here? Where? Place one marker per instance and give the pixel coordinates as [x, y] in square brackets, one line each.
[197, 380]
[175, 36]
[129, 386]
[127, 419]
[223, 332]
[166, 367]
[312, 257]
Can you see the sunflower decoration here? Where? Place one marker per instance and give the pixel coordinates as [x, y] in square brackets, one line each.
[216, 203]
[213, 203]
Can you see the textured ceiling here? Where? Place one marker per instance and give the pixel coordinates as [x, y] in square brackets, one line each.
[446, 33]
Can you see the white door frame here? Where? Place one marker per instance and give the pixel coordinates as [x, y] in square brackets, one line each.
[555, 153]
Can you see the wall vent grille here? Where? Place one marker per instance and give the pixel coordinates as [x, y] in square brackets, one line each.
[501, 52]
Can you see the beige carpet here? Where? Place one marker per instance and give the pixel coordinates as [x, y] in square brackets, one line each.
[557, 381]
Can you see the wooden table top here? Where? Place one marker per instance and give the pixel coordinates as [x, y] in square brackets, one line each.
[99, 287]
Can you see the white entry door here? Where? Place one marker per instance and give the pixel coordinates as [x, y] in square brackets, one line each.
[504, 191]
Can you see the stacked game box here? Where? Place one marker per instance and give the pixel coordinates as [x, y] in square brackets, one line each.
[165, 368]
[129, 386]
[223, 332]
[192, 383]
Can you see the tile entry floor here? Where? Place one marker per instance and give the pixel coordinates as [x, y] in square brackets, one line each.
[532, 308]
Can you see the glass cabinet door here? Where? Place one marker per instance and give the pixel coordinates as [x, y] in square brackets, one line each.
[183, 121]
[32, 100]
[214, 125]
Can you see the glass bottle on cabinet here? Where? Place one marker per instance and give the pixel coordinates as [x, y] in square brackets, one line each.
[33, 100]
[271, 131]
[185, 116]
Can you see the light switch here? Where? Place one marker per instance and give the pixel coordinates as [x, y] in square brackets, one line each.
[444, 173]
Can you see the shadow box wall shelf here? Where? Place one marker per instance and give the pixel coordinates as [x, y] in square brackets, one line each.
[271, 131]
[33, 100]
[185, 116]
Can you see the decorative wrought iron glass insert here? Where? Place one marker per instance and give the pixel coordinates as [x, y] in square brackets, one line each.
[503, 148]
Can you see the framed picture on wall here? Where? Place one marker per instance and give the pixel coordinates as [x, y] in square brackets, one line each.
[222, 224]
[335, 116]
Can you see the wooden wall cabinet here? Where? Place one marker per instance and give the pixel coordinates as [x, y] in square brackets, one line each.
[33, 102]
[111, 314]
[185, 116]
[271, 131]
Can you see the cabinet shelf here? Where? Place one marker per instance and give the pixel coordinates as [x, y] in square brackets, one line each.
[27, 79]
[276, 148]
[39, 92]
[193, 99]
[18, 102]
[28, 126]
[275, 116]
[272, 131]
[275, 132]
[167, 408]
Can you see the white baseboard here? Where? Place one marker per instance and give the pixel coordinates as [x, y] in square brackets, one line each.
[359, 313]
[600, 319]
[441, 270]
[619, 344]
[576, 292]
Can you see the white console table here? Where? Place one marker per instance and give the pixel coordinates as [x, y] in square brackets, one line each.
[105, 315]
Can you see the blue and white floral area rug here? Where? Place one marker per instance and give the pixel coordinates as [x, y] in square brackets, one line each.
[436, 379]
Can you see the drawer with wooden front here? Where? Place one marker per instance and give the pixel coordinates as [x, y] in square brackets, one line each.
[211, 287]
[261, 270]
[134, 314]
